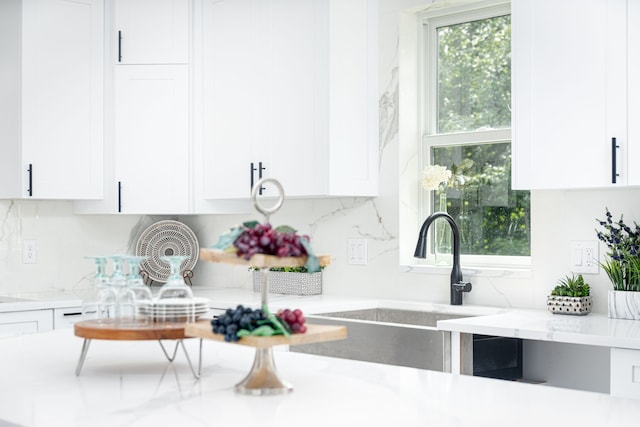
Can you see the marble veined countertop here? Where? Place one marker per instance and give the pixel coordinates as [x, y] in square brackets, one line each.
[592, 329]
[130, 383]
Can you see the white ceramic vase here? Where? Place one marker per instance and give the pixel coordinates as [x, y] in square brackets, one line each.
[624, 305]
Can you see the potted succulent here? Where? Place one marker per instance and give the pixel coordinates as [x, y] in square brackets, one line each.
[622, 266]
[572, 295]
[290, 280]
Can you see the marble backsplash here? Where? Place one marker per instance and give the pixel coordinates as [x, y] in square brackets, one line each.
[557, 218]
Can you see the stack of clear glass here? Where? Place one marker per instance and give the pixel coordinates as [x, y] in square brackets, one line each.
[119, 298]
[175, 301]
[135, 300]
[99, 303]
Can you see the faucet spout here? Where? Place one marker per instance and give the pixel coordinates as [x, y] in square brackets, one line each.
[457, 284]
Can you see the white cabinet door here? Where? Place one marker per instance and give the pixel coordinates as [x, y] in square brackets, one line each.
[569, 93]
[633, 93]
[236, 121]
[151, 31]
[152, 139]
[64, 318]
[52, 148]
[26, 321]
[625, 373]
[290, 85]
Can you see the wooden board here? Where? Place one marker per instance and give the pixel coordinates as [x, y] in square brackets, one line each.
[258, 260]
[315, 333]
[110, 330]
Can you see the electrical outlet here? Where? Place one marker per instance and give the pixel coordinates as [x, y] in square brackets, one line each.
[584, 257]
[29, 251]
[357, 252]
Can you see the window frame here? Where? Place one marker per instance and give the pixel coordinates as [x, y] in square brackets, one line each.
[429, 21]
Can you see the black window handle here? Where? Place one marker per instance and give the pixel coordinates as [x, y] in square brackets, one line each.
[30, 189]
[614, 166]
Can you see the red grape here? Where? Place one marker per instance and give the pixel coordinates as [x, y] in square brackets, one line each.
[294, 318]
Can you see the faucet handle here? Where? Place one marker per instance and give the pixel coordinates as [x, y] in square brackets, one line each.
[462, 286]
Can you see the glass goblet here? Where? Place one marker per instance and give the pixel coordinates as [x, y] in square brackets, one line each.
[136, 302]
[100, 291]
[175, 298]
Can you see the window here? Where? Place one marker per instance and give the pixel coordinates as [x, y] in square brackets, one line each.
[466, 115]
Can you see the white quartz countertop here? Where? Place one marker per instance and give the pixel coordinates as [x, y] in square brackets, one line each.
[130, 383]
[592, 329]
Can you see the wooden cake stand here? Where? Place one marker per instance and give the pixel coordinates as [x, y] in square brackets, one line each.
[110, 329]
[263, 379]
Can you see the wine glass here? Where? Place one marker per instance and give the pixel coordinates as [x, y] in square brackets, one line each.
[101, 295]
[175, 299]
[117, 281]
[134, 298]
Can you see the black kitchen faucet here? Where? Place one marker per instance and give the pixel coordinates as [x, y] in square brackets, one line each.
[458, 286]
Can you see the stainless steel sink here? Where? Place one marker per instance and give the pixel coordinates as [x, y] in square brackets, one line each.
[396, 315]
[387, 335]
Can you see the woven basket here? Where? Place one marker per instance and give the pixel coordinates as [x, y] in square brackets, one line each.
[290, 283]
[569, 305]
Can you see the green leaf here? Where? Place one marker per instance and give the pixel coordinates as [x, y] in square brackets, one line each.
[285, 229]
[313, 263]
[250, 224]
[226, 240]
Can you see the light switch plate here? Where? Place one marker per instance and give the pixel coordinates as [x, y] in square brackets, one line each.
[357, 252]
[584, 257]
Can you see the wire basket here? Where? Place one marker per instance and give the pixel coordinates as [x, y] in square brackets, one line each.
[289, 283]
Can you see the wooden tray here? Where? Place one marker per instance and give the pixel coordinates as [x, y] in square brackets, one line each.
[109, 330]
[258, 260]
[315, 333]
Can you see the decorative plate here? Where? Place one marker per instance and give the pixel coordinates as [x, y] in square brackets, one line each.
[166, 238]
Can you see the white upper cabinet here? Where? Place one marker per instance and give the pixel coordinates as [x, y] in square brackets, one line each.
[148, 142]
[51, 108]
[574, 85]
[290, 92]
[152, 139]
[151, 31]
[150, 117]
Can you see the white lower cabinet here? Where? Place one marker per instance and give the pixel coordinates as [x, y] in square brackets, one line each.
[16, 322]
[625, 373]
[64, 318]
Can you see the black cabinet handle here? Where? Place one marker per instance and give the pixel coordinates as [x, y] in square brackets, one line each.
[119, 46]
[30, 189]
[119, 196]
[252, 169]
[614, 166]
[260, 169]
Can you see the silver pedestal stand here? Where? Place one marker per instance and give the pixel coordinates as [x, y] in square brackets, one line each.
[263, 379]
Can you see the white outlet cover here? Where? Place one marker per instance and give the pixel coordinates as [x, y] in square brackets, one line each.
[584, 257]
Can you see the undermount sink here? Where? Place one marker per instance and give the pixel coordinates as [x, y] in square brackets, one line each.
[387, 335]
[396, 315]
[411, 338]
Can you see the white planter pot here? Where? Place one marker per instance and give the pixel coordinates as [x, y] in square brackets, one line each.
[569, 305]
[624, 305]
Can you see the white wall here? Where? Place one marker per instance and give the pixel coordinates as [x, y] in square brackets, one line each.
[557, 218]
